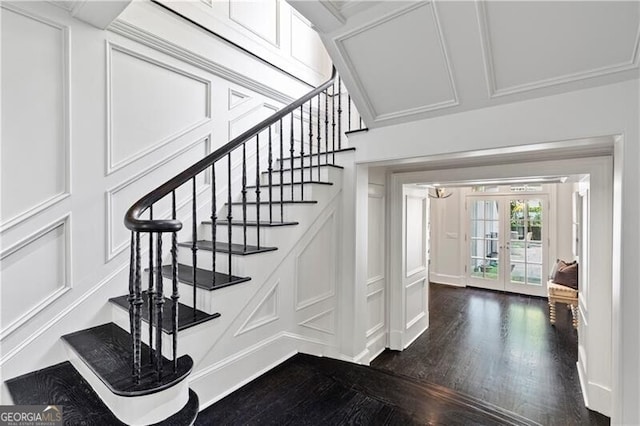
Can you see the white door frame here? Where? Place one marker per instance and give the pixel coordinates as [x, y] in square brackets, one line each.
[595, 340]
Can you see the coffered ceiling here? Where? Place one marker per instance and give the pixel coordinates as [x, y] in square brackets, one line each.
[403, 61]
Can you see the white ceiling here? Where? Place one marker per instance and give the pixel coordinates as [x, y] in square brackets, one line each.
[407, 60]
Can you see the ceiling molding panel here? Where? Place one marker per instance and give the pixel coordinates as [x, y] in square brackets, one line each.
[533, 45]
[395, 84]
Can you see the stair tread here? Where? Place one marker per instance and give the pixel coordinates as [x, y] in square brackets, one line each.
[274, 203]
[61, 384]
[203, 277]
[314, 166]
[223, 247]
[311, 182]
[186, 318]
[107, 350]
[337, 151]
[251, 223]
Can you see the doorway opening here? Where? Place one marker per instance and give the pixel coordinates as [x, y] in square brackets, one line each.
[531, 264]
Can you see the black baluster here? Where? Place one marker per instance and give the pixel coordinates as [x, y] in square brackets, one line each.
[214, 224]
[291, 151]
[175, 296]
[132, 296]
[270, 170]
[310, 140]
[258, 190]
[339, 119]
[333, 120]
[159, 305]
[301, 153]
[229, 215]
[194, 237]
[150, 290]
[281, 174]
[349, 112]
[137, 314]
[319, 138]
[326, 126]
[244, 196]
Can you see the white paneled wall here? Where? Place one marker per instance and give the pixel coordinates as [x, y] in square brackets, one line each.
[376, 271]
[35, 114]
[91, 121]
[270, 29]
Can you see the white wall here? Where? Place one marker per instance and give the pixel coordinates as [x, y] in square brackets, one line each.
[447, 236]
[605, 110]
[92, 120]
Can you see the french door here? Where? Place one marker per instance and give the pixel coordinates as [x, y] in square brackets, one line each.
[507, 242]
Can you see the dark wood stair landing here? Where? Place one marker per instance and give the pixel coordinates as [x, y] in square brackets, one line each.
[62, 384]
[106, 350]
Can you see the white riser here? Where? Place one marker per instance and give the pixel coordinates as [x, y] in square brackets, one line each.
[187, 339]
[240, 265]
[327, 174]
[237, 234]
[310, 190]
[313, 160]
[291, 211]
[205, 261]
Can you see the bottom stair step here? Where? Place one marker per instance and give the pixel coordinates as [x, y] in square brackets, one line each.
[186, 317]
[62, 385]
[107, 351]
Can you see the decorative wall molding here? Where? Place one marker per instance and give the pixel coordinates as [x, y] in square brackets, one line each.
[151, 40]
[111, 166]
[276, 41]
[334, 11]
[66, 125]
[378, 118]
[378, 326]
[246, 114]
[65, 223]
[422, 267]
[240, 98]
[312, 322]
[423, 308]
[61, 315]
[111, 250]
[490, 75]
[252, 322]
[299, 305]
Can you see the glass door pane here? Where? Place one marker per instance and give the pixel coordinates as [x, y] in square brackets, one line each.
[484, 239]
[525, 247]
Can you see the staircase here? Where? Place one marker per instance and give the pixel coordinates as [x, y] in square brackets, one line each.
[135, 370]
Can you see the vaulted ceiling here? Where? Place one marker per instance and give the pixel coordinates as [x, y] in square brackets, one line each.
[404, 61]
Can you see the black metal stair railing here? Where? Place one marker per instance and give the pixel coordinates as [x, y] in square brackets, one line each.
[140, 218]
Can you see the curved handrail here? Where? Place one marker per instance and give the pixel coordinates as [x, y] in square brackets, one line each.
[132, 218]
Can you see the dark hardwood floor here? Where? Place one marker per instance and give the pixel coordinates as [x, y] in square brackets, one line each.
[487, 358]
[500, 348]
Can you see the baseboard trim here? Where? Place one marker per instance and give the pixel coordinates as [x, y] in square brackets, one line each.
[452, 280]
